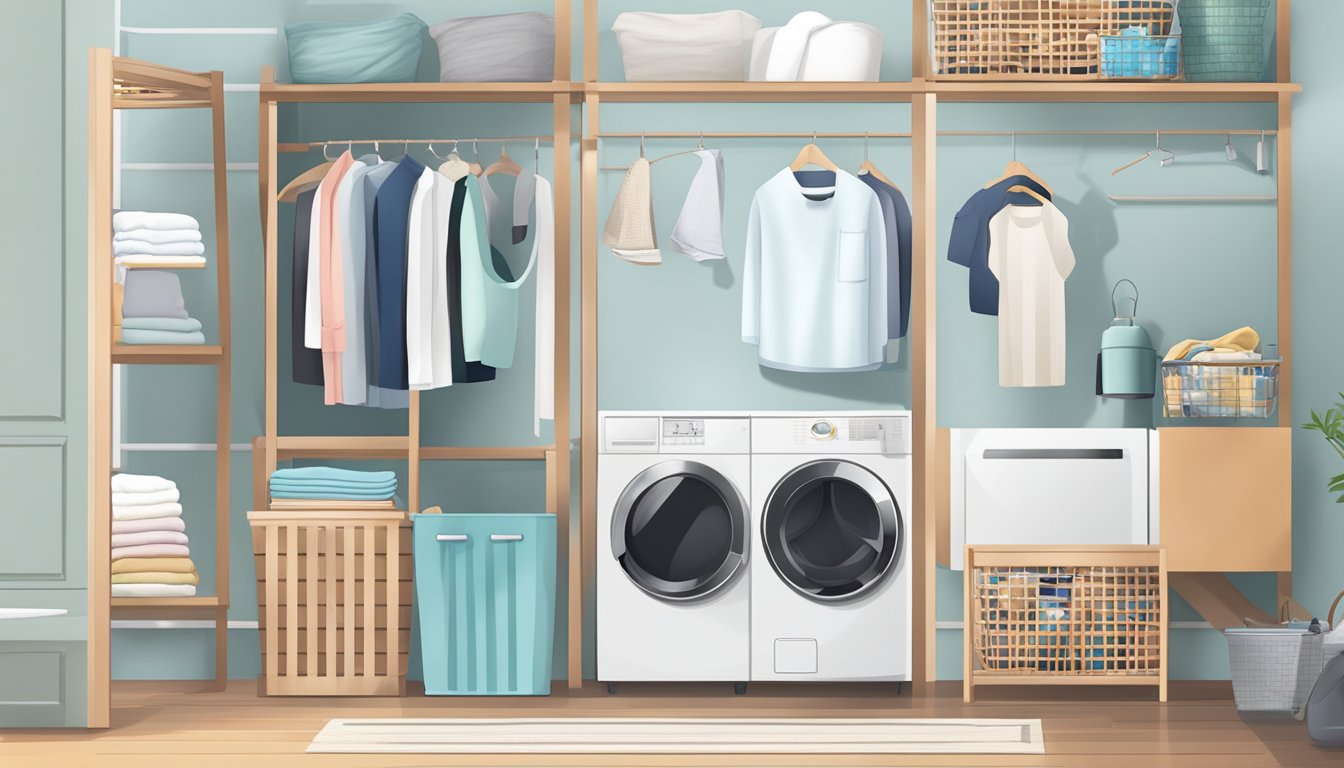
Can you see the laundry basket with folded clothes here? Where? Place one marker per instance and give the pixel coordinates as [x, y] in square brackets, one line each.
[151, 556]
[1220, 378]
[332, 488]
[630, 232]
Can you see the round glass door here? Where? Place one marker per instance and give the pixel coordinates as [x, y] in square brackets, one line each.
[680, 530]
[831, 530]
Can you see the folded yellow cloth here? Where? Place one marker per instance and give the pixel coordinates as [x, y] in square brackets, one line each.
[1241, 340]
[156, 577]
[162, 564]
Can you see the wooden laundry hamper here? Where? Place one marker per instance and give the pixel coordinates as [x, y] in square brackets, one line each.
[1052, 615]
[334, 601]
[1034, 39]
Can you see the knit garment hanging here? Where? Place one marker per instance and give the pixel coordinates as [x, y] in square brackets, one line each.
[630, 232]
[699, 229]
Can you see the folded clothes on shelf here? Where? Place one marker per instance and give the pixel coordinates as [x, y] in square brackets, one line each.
[153, 590]
[147, 511]
[149, 537]
[151, 293]
[126, 482]
[156, 577]
[125, 221]
[139, 259]
[159, 235]
[151, 550]
[181, 248]
[320, 494]
[141, 499]
[155, 564]
[141, 336]
[148, 524]
[173, 324]
[333, 473]
[332, 485]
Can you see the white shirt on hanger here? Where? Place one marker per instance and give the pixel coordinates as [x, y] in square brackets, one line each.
[1029, 253]
[814, 285]
[312, 311]
[429, 353]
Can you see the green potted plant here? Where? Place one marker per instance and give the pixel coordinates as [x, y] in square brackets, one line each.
[1331, 426]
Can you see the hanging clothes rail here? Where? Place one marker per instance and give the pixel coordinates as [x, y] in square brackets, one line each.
[306, 146]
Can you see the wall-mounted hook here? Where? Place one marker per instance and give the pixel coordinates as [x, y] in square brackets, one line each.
[1230, 150]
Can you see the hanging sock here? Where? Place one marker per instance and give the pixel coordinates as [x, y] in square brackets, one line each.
[630, 232]
[699, 229]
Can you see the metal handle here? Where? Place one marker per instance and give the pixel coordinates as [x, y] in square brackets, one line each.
[451, 537]
[1038, 454]
[506, 537]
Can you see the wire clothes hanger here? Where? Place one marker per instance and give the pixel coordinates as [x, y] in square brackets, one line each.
[699, 147]
[1167, 161]
[867, 166]
[453, 166]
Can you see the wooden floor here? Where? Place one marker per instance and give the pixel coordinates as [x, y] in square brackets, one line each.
[176, 725]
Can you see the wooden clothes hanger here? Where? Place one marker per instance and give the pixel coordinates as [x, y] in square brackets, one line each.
[812, 155]
[309, 178]
[1029, 191]
[867, 167]
[1016, 168]
[505, 164]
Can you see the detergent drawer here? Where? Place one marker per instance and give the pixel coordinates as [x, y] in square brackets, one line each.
[1048, 486]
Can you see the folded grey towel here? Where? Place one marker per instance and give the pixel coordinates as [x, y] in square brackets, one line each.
[151, 293]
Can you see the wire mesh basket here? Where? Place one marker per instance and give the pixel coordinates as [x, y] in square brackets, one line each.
[1036, 39]
[1136, 55]
[1076, 620]
[1224, 389]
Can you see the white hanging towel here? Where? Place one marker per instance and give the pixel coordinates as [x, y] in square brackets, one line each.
[429, 357]
[630, 232]
[544, 376]
[699, 229]
[1029, 253]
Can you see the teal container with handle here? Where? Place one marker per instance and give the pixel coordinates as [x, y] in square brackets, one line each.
[1127, 363]
[1223, 40]
[485, 587]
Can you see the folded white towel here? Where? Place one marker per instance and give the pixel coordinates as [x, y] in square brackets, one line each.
[132, 247]
[148, 524]
[125, 221]
[153, 590]
[159, 235]
[145, 499]
[126, 482]
[149, 537]
[146, 511]
[141, 259]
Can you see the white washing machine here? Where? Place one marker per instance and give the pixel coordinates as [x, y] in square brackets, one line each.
[673, 532]
[830, 563]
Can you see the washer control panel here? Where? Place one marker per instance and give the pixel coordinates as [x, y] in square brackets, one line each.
[683, 431]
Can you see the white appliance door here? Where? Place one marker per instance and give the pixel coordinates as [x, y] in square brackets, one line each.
[1056, 486]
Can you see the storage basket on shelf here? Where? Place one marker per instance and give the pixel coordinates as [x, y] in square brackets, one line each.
[1273, 669]
[685, 46]
[507, 47]
[1222, 389]
[1224, 39]
[385, 51]
[1038, 39]
[1059, 614]
[485, 584]
[333, 600]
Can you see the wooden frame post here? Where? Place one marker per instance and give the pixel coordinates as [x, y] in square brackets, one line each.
[223, 380]
[924, 371]
[568, 529]
[588, 440]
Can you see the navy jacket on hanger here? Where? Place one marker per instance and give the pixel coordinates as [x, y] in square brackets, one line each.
[904, 246]
[969, 246]
[391, 214]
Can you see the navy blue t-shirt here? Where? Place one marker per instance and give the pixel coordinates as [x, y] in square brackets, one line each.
[904, 249]
[391, 214]
[969, 245]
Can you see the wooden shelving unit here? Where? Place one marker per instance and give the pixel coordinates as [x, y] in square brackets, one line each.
[119, 83]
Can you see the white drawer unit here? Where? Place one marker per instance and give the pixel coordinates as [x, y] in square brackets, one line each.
[1051, 486]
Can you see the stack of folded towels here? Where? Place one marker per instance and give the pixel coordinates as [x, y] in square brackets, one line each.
[146, 238]
[150, 557]
[154, 312]
[319, 487]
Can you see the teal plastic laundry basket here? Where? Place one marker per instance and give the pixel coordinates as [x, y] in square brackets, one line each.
[1224, 40]
[485, 587]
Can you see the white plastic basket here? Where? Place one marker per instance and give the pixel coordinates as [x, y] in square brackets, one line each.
[1273, 670]
[685, 46]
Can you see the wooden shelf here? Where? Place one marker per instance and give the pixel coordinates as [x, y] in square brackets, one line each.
[396, 447]
[1093, 91]
[164, 265]
[206, 601]
[371, 93]
[167, 354]
[754, 92]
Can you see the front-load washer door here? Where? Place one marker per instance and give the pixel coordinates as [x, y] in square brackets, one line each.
[679, 530]
[831, 529]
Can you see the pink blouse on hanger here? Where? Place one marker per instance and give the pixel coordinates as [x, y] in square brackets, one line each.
[333, 282]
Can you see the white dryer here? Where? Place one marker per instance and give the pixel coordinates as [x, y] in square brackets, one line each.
[673, 528]
[830, 564]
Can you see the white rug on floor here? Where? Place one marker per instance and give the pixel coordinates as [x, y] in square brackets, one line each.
[612, 735]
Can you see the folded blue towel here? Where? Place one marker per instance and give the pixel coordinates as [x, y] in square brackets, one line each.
[383, 496]
[137, 336]
[177, 324]
[333, 473]
[332, 486]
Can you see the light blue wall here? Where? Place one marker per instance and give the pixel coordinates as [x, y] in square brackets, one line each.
[669, 336]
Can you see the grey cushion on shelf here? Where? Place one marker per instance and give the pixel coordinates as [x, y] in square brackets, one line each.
[509, 47]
